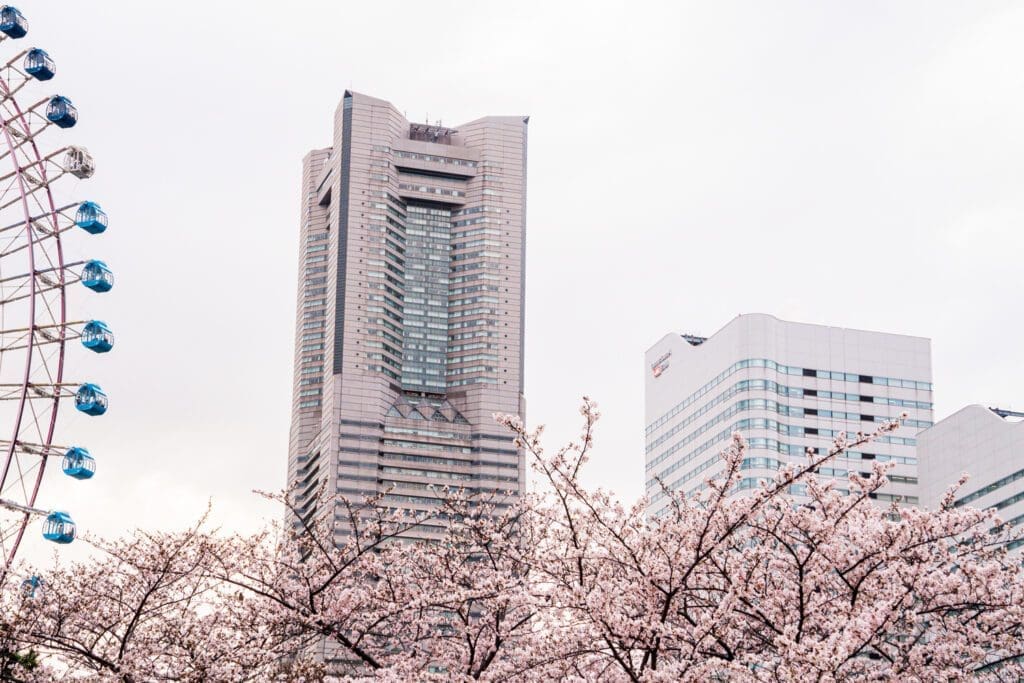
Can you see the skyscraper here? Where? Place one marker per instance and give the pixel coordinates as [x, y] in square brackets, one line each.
[785, 387]
[409, 325]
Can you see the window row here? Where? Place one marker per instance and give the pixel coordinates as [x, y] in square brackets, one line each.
[394, 443]
[435, 158]
[744, 406]
[448, 462]
[755, 442]
[1009, 479]
[786, 370]
[431, 190]
[471, 380]
[749, 385]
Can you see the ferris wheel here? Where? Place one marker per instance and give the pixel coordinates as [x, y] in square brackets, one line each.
[34, 323]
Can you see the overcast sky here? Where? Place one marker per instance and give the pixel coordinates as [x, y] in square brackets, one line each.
[856, 163]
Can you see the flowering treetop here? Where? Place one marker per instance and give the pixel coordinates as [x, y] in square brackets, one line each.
[566, 584]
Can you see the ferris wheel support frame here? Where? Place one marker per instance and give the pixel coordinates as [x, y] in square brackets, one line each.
[30, 343]
[34, 323]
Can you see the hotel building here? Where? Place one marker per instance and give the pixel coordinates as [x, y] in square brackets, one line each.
[785, 387]
[409, 323]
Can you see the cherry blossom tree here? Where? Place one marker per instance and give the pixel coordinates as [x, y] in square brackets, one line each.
[474, 592]
[143, 609]
[18, 661]
[766, 586]
[565, 583]
[385, 603]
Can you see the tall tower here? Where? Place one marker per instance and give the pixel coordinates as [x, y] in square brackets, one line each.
[409, 324]
[785, 387]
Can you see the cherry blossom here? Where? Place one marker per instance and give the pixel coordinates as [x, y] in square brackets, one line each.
[565, 583]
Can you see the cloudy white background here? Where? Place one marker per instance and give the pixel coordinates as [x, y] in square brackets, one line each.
[858, 164]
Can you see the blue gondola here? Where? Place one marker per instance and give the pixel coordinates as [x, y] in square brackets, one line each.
[91, 400]
[91, 218]
[59, 528]
[79, 464]
[60, 111]
[38, 65]
[13, 22]
[96, 336]
[30, 585]
[97, 276]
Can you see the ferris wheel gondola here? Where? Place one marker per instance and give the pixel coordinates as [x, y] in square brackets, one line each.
[34, 276]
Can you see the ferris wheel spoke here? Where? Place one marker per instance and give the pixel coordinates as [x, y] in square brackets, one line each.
[12, 392]
[48, 286]
[43, 379]
[47, 313]
[26, 125]
[19, 490]
[15, 296]
[14, 288]
[10, 187]
[47, 356]
[17, 80]
[14, 78]
[43, 450]
[44, 272]
[45, 213]
[34, 173]
[45, 335]
[17, 242]
[76, 162]
[35, 425]
[13, 243]
[50, 172]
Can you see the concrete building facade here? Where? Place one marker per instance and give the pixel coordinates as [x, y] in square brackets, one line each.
[988, 445]
[409, 324]
[784, 386]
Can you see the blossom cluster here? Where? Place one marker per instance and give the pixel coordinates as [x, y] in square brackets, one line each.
[564, 584]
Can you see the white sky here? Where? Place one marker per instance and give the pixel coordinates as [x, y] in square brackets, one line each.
[850, 163]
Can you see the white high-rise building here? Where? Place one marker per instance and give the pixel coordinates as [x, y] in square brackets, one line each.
[785, 387]
[988, 445]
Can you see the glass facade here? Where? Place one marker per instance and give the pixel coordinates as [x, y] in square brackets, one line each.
[425, 338]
